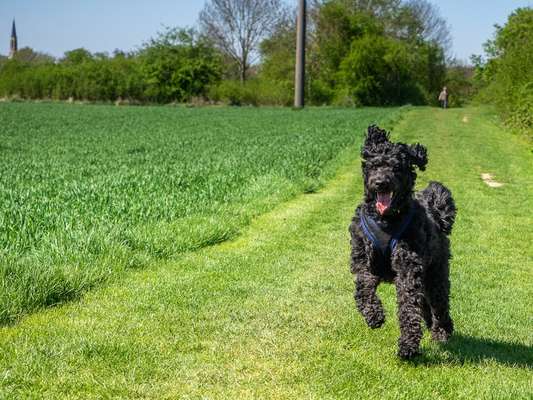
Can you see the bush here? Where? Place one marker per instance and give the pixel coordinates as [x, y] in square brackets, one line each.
[179, 65]
[253, 92]
[521, 115]
[505, 79]
[378, 71]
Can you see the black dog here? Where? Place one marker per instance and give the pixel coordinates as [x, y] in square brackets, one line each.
[402, 238]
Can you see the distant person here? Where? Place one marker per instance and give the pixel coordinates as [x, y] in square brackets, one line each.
[443, 97]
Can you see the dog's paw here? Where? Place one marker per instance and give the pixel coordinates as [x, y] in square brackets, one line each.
[406, 352]
[376, 319]
[440, 335]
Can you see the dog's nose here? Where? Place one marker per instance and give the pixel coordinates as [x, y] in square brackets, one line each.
[380, 183]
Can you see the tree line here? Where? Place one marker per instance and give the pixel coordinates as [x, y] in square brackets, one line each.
[175, 66]
[504, 74]
[360, 53]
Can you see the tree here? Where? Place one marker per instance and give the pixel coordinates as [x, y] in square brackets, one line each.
[277, 55]
[77, 56]
[179, 64]
[459, 82]
[379, 71]
[337, 27]
[382, 9]
[516, 33]
[505, 76]
[421, 20]
[237, 27]
[28, 55]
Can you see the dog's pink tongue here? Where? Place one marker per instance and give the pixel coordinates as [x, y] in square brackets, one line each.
[383, 202]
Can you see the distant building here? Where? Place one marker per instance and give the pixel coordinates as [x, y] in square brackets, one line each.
[14, 44]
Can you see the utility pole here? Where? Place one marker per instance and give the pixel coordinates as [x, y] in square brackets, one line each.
[299, 86]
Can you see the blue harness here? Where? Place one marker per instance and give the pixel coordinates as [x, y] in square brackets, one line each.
[383, 241]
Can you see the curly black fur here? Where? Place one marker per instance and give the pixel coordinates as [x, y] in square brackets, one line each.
[418, 265]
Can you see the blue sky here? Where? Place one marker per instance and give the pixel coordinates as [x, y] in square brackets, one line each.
[54, 26]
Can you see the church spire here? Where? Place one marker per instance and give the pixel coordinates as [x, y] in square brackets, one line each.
[14, 43]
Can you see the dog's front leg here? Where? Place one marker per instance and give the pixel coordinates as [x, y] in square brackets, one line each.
[367, 301]
[366, 282]
[410, 296]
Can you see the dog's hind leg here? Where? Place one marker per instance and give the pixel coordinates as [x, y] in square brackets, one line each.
[410, 295]
[368, 303]
[426, 309]
[438, 290]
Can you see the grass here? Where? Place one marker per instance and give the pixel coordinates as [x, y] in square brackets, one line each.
[271, 315]
[90, 191]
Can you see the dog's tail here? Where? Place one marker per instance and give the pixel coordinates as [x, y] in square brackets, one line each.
[439, 202]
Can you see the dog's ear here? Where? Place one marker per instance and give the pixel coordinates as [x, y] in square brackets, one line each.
[374, 137]
[419, 156]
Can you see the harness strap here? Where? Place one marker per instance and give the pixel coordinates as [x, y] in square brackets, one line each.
[405, 224]
[368, 232]
[380, 239]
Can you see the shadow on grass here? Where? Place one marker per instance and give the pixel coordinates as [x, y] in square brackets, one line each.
[466, 349]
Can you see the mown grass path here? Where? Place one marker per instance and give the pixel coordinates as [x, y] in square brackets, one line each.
[271, 315]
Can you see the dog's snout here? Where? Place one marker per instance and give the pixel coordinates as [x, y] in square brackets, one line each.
[381, 183]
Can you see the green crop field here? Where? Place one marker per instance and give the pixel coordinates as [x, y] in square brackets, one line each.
[88, 191]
